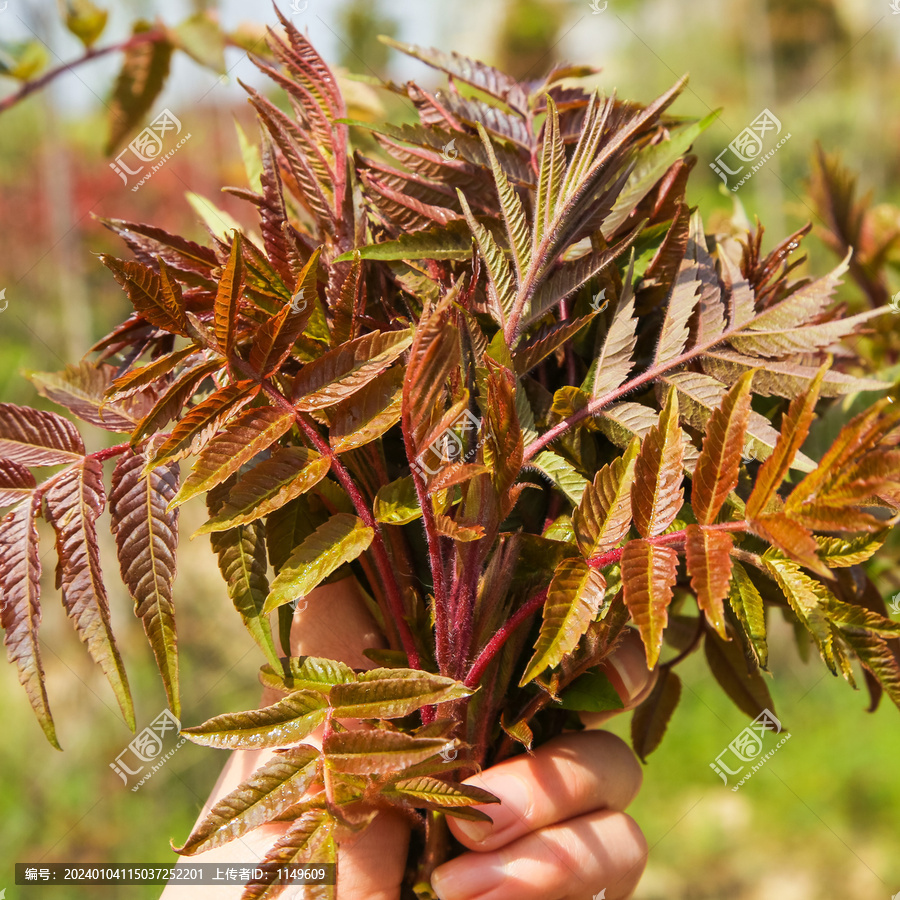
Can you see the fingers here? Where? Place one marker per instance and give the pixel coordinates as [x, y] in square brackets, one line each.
[599, 854]
[567, 777]
[627, 671]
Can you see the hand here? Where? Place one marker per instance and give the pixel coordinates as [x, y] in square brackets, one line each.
[559, 834]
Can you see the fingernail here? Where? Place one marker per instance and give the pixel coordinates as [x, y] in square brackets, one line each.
[458, 880]
[515, 803]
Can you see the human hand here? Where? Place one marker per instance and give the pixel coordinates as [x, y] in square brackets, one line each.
[560, 832]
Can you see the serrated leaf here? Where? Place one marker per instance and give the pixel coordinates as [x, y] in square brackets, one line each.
[146, 375]
[574, 599]
[437, 794]
[286, 474]
[737, 675]
[708, 557]
[379, 752]
[649, 573]
[748, 606]
[33, 437]
[800, 591]
[603, 517]
[146, 534]
[656, 493]
[156, 298]
[202, 39]
[652, 717]
[228, 298]
[561, 473]
[82, 389]
[794, 430]
[879, 659]
[197, 427]
[16, 482]
[450, 241]
[242, 561]
[73, 501]
[616, 359]
[393, 693]
[838, 552]
[343, 371]
[140, 80]
[339, 540]
[397, 503]
[285, 722]
[306, 673]
[792, 539]
[279, 333]
[718, 467]
[273, 788]
[310, 839]
[20, 612]
[679, 309]
[368, 414]
[252, 432]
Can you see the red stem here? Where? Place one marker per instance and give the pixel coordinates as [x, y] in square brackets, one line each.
[147, 37]
[493, 646]
[382, 559]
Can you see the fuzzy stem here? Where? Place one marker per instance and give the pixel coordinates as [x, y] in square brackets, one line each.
[382, 559]
[494, 645]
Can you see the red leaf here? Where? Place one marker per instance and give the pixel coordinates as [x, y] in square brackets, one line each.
[648, 576]
[708, 557]
[33, 437]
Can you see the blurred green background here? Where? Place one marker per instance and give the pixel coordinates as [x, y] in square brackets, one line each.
[822, 819]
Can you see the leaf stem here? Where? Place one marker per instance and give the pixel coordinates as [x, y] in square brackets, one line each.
[29, 87]
[494, 645]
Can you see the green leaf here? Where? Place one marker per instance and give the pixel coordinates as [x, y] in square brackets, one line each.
[397, 503]
[346, 369]
[85, 20]
[306, 673]
[748, 606]
[341, 539]
[561, 473]
[737, 675]
[286, 474]
[838, 552]
[242, 560]
[450, 241]
[574, 598]
[652, 717]
[285, 722]
[432, 793]
[393, 693]
[23, 60]
[603, 517]
[591, 692]
[379, 752]
[879, 659]
[143, 74]
[652, 163]
[252, 432]
[271, 790]
[146, 534]
[201, 38]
